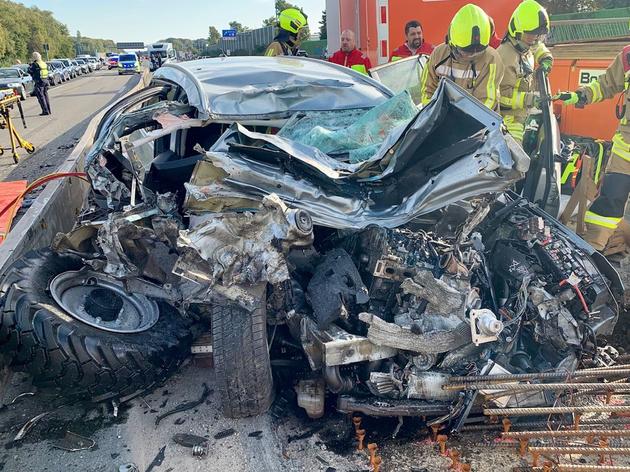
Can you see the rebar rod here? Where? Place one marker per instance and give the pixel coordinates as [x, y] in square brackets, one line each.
[556, 410]
[576, 467]
[585, 450]
[582, 433]
[591, 468]
[591, 422]
[617, 387]
[612, 367]
[538, 376]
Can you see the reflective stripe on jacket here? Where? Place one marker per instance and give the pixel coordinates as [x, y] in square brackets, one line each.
[614, 81]
[355, 59]
[480, 77]
[276, 48]
[38, 70]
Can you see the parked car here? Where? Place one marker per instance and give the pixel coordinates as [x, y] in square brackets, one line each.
[128, 64]
[78, 70]
[55, 75]
[69, 70]
[21, 82]
[22, 67]
[85, 66]
[96, 65]
[112, 62]
[367, 252]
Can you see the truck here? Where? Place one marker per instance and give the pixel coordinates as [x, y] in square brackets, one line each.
[160, 53]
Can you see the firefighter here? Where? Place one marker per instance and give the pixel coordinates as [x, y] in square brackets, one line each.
[349, 55]
[466, 59]
[39, 71]
[286, 42]
[606, 213]
[415, 43]
[521, 52]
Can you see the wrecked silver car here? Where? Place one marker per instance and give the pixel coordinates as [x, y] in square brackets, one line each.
[336, 240]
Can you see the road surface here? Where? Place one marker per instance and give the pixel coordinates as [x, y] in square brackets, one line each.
[72, 103]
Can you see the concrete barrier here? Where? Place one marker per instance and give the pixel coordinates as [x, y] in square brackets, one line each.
[56, 208]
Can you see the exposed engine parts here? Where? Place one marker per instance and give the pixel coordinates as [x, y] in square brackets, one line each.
[395, 313]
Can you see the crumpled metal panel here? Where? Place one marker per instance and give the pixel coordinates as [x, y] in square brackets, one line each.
[393, 187]
[268, 87]
[244, 249]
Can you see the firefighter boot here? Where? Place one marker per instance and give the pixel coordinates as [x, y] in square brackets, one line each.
[597, 236]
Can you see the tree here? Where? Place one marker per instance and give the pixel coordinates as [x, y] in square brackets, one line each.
[271, 21]
[569, 6]
[213, 35]
[322, 27]
[283, 5]
[238, 26]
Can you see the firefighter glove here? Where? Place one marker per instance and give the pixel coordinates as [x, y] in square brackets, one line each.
[545, 65]
[569, 98]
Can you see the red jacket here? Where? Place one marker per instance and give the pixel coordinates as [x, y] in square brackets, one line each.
[495, 41]
[403, 51]
[355, 59]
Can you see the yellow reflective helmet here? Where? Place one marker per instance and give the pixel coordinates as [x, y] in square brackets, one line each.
[292, 20]
[470, 29]
[529, 17]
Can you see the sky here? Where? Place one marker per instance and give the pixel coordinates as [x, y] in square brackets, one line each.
[151, 20]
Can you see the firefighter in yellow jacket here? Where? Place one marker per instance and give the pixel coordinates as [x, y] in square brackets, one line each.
[606, 212]
[466, 59]
[521, 52]
[286, 42]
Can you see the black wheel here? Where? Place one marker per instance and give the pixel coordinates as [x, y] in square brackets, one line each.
[78, 359]
[23, 94]
[241, 359]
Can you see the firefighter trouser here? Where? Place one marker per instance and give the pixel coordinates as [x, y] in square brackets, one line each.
[514, 127]
[606, 212]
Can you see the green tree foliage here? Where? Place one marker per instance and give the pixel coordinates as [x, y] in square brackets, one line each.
[24, 30]
[574, 6]
[213, 35]
[322, 27]
[238, 26]
[85, 45]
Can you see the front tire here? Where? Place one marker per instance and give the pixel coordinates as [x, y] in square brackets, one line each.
[241, 358]
[77, 359]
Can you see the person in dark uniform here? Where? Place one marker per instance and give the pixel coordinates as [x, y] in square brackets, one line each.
[39, 71]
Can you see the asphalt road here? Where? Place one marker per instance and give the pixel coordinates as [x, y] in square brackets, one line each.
[72, 103]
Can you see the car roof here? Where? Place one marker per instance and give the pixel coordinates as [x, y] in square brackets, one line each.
[266, 87]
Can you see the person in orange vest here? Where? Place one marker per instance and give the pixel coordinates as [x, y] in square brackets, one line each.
[349, 55]
[415, 43]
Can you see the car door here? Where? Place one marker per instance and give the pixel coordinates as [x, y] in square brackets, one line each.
[402, 75]
[27, 81]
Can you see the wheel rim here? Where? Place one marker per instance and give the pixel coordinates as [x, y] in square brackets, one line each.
[101, 301]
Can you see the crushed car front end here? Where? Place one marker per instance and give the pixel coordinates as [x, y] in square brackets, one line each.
[333, 243]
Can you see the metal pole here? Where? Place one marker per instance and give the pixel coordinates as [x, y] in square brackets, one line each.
[562, 450]
[619, 387]
[540, 376]
[556, 410]
[582, 433]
